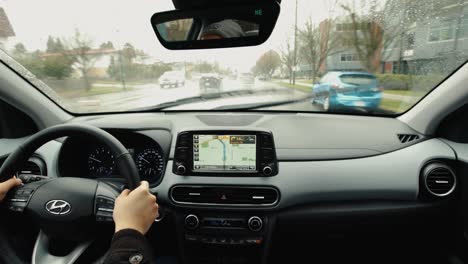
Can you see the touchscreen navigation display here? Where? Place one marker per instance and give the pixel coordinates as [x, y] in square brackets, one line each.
[225, 153]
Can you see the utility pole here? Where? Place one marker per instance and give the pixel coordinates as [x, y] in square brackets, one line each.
[295, 48]
[402, 37]
[122, 72]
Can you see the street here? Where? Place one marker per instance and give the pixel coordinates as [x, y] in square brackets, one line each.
[150, 95]
[146, 96]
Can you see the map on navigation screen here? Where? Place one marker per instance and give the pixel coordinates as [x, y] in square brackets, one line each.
[224, 152]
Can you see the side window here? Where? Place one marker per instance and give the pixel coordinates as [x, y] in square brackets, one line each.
[14, 123]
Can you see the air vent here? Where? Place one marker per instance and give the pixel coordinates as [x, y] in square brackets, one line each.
[439, 179]
[234, 196]
[406, 138]
[33, 166]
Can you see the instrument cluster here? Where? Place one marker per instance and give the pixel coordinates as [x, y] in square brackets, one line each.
[82, 157]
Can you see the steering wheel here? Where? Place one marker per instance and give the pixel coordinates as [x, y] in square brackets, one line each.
[66, 208]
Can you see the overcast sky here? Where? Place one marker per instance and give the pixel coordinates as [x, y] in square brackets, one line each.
[128, 21]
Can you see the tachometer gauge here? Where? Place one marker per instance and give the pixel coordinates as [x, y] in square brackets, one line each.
[101, 162]
[150, 164]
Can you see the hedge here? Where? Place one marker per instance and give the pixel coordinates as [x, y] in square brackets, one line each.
[409, 82]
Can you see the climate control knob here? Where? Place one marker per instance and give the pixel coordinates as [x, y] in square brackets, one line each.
[191, 222]
[267, 170]
[181, 169]
[255, 223]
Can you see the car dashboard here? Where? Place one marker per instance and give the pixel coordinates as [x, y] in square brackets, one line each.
[318, 166]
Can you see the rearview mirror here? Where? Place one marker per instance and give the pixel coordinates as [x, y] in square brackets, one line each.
[233, 26]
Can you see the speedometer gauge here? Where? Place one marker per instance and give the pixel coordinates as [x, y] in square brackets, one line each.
[101, 162]
[150, 164]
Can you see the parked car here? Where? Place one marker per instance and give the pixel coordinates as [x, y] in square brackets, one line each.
[264, 78]
[338, 90]
[210, 82]
[172, 79]
[247, 79]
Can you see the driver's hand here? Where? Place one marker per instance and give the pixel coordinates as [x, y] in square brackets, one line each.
[135, 209]
[8, 185]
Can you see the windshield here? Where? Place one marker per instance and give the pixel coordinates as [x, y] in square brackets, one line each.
[341, 56]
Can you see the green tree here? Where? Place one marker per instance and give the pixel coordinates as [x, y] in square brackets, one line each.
[57, 66]
[33, 62]
[78, 50]
[316, 44]
[54, 45]
[129, 53]
[107, 45]
[287, 58]
[19, 51]
[203, 67]
[268, 63]
[19, 48]
[113, 70]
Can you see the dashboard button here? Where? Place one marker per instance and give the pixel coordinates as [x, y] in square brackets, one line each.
[191, 222]
[255, 223]
[267, 170]
[181, 169]
[268, 155]
[267, 141]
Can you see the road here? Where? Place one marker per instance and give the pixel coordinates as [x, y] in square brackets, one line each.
[148, 95]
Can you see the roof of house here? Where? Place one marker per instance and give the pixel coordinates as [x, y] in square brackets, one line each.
[6, 30]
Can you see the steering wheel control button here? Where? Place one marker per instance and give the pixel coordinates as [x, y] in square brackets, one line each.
[255, 223]
[192, 222]
[181, 169]
[28, 178]
[18, 199]
[135, 258]
[58, 207]
[267, 170]
[17, 206]
[104, 209]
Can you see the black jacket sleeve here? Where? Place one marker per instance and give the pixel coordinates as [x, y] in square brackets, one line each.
[129, 246]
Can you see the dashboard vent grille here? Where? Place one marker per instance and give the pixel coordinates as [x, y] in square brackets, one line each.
[406, 138]
[32, 167]
[439, 179]
[237, 196]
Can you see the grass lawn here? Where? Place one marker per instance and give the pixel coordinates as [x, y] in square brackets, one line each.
[396, 106]
[95, 90]
[404, 92]
[306, 81]
[119, 83]
[297, 86]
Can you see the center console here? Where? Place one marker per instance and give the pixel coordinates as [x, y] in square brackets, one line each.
[224, 223]
[236, 237]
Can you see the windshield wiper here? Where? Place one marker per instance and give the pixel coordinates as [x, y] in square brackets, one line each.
[252, 106]
[209, 97]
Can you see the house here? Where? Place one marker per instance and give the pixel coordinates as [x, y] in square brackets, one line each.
[344, 56]
[6, 30]
[338, 41]
[442, 39]
[422, 43]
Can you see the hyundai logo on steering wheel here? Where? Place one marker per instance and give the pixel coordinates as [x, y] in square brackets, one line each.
[58, 207]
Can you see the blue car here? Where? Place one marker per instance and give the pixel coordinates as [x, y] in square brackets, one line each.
[345, 90]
